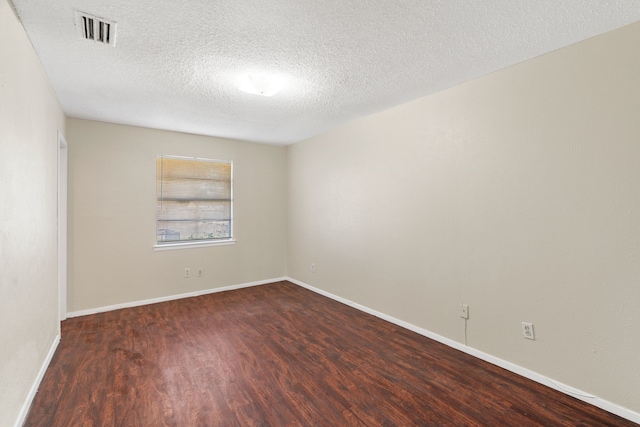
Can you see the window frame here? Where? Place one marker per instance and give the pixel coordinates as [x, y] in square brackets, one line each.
[199, 243]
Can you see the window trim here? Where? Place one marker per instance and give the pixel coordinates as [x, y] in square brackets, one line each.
[169, 245]
[190, 245]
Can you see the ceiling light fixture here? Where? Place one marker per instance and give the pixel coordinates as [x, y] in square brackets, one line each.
[261, 85]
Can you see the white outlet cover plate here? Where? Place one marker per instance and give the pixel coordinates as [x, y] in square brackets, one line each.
[464, 311]
[527, 331]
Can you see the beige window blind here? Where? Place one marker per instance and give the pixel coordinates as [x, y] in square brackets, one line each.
[195, 199]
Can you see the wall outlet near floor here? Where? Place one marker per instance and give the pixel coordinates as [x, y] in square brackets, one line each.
[527, 331]
[187, 273]
[464, 311]
[313, 268]
[200, 271]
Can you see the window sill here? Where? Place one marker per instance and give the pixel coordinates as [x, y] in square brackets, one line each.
[189, 245]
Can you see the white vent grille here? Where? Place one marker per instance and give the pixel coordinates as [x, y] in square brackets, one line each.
[95, 29]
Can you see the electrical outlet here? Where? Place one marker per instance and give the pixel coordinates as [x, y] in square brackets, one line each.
[464, 311]
[313, 268]
[200, 271]
[527, 331]
[187, 273]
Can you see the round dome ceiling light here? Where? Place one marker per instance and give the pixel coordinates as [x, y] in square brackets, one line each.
[261, 85]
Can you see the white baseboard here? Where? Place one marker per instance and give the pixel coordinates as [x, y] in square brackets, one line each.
[170, 298]
[527, 373]
[24, 411]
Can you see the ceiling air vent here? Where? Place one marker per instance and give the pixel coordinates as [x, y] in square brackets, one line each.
[95, 29]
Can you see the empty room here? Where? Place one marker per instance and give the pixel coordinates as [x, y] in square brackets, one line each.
[319, 213]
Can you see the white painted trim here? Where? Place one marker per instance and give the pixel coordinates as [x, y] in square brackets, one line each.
[527, 373]
[170, 297]
[62, 226]
[189, 245]
[24, 411]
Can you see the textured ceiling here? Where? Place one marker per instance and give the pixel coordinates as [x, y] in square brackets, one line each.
[176, 64]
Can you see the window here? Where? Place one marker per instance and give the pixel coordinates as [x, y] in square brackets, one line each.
[194, 202]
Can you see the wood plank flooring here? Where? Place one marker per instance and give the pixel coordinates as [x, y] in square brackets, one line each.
[279, 355]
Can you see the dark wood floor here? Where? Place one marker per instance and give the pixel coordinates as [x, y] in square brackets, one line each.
[279, 355]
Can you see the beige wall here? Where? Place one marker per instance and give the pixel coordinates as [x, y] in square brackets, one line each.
[112, 205]
[30, 118]
[517, 193]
